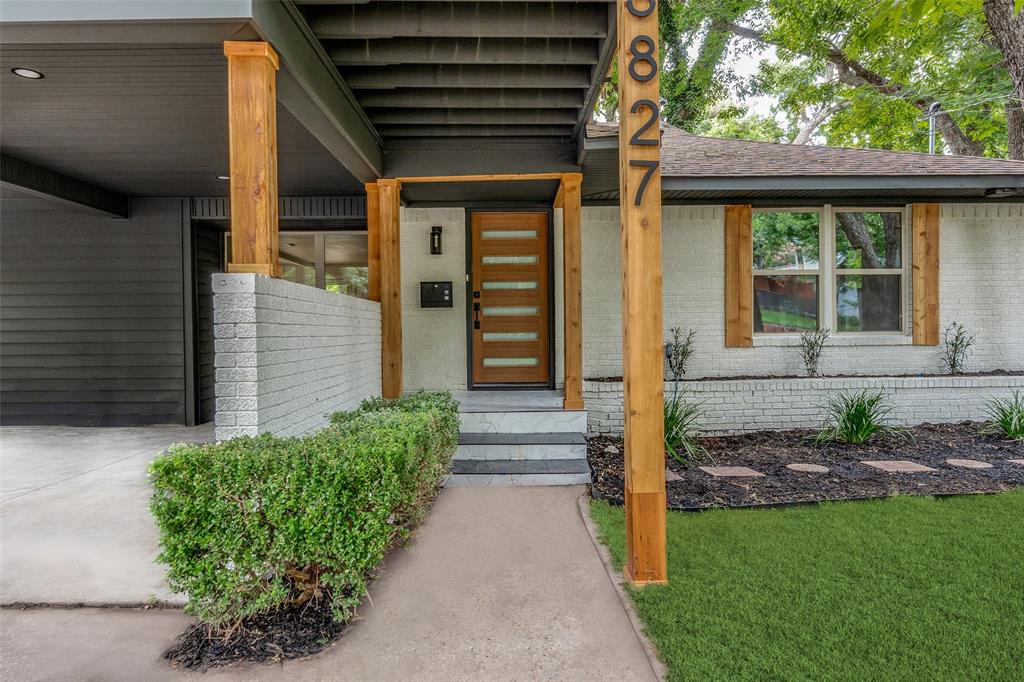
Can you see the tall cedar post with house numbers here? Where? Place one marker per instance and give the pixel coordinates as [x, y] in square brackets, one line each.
[640, 210]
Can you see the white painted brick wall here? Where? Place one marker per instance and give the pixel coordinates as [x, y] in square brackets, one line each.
[734, 406]
[288, 355]
[981, 284]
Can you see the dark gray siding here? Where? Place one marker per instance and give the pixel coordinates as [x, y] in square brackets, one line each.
[208, 243]
[91, 310]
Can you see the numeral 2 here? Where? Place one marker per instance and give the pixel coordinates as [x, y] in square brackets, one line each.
[655, 112]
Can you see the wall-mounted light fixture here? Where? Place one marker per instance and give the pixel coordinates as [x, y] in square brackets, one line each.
[30, 74]
[435, 240]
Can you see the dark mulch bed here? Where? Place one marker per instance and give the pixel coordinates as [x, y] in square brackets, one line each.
[750, 377]
[267, 638]
[770, 451]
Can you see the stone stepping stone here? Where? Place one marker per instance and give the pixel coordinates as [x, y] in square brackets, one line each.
[898, 466]
[808, 468]
[969, 463]
[671, 476]
[1016, 461]
[723, 472]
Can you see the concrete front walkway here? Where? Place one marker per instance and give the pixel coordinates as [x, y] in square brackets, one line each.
[74, 521]
[498, 584]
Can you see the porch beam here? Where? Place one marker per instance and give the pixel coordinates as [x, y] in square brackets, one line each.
[42, 182]
[464, 51]
[482, 116]
[252, 143]
[572, 288]
[505, 177]
[390, 289]
[457, 98]
[642, 316]
[470, 130]
[468, 76]
[460, 19]
[373, 241]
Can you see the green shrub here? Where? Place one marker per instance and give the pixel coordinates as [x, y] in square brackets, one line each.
[681, 417]
[1006, 416]
[679, 350]
[255, 524]
[957, 341]
[853, 418]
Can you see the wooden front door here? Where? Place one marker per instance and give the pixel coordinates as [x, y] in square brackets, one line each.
[509, 298]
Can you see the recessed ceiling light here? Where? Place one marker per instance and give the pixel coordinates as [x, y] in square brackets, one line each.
[31, 74]
[291, 243]
[223, 177]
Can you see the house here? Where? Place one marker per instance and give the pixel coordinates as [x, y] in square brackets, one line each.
[444, 215]
[196, 197]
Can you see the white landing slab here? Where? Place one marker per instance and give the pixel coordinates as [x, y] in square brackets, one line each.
[508, 401]
[542, 421]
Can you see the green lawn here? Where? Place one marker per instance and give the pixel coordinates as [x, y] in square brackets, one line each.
[911, 588]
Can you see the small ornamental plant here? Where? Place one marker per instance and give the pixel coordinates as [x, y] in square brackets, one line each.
[812, 345]
[681, 418]
[1006, 416]
[854, 418]
[957, 342]
[678, 350]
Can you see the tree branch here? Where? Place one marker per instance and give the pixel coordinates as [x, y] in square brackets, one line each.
[812, 123]
[854, 74]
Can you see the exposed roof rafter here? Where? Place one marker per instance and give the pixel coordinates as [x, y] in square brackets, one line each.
[43, 182]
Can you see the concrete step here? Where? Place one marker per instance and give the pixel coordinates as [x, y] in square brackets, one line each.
[519, 472]
[524, 421]
[521, 446]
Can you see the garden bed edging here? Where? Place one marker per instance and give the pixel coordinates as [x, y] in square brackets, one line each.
[738, 406]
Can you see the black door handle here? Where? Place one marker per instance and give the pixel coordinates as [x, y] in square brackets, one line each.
[476, 311]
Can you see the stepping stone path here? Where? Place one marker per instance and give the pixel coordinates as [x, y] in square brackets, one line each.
[1016, 461]
[898, 466]
[720, 472]
[671, 476]
[808, 468]
[969, 463]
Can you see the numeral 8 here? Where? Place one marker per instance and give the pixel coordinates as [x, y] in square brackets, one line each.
[651, 6]
[645, 55]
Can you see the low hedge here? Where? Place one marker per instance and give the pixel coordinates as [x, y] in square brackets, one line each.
[261, 523]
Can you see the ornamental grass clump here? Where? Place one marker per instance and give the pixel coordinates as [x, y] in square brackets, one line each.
[255, 525]
[957, 341]
[854, 418]
[681, 417]
[1006, 417]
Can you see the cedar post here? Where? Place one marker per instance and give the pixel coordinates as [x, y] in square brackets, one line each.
[373, 241]
[252, 134]
[572, 289]
[642, 333]
[390, 290]
[924, 262]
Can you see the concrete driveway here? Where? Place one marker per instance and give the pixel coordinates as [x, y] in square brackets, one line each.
[74, 522]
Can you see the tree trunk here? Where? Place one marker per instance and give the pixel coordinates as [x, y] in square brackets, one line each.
[1008, 30]
[1015, 128]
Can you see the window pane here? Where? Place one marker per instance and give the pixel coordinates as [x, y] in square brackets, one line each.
[510, 362]
[345, 263]
[510, 285]
[511, 310]
[869, 240]
[868, 303]
[509, 260]
[785, 303]
[298, 258]
[510, 336]
[786, 241]
[508, 234]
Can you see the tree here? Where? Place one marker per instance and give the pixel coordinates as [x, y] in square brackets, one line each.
[1008, 32]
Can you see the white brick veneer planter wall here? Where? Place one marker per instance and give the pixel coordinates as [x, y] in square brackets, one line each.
[287, 355]
[737, 405]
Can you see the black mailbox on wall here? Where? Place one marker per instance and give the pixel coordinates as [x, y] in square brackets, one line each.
[435, 294]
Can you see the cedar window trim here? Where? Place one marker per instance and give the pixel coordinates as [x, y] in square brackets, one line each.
[827, 274]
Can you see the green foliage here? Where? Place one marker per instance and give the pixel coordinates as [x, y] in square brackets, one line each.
[679, 350]
[812, 344]
[681, 418]
[853, 418]
[737, 123]
[253, 524]
[785, 238]
[957, 341]
[1006, 416]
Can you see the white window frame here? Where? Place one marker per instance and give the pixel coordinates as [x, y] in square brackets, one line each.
[827, 272]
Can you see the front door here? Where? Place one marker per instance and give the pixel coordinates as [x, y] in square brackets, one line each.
[509, 299]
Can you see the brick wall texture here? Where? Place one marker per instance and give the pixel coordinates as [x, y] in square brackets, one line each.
[288, 355]
[735, 406]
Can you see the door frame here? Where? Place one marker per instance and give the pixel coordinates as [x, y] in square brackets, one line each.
[515, 208]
